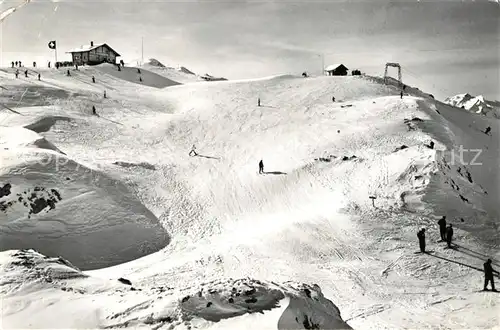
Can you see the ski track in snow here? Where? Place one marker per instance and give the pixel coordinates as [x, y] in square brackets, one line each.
[306, 220]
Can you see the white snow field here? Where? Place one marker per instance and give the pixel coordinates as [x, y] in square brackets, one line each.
[298, 247]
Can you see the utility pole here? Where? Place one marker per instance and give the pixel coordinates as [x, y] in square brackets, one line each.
[142, 51]
[322, 72]
[322, 64]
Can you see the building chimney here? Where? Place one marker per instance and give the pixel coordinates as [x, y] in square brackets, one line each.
[91, 44]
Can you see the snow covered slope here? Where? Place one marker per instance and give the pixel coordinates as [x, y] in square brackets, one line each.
[307, 219]
[475, 104]
[92, 303]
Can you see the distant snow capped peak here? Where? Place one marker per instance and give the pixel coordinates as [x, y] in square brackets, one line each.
[477, 104]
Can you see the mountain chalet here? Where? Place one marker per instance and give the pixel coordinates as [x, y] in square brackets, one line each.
[336, 70]
[94, 54]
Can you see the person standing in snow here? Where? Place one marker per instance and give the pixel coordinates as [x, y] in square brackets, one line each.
[26, 73]
[140, 79]
[68, 73]
[421, 239]
[449, 235]
[12, 64]
[93, 79]
[401, 94]
[442, 228]
[17, 73]
[104, 94]
[261, 167]
[333, 98]
[39, 76]
[193, 151]
[258, 102]
[34, 64]
[488, 275]
[48, 64]
[94, 112]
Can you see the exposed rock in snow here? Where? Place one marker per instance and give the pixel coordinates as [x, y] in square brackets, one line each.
[475, 104]
[155, 62]
[185, 70]
[208, 77]
[143, 165]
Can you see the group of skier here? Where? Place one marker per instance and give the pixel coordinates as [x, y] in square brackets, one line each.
[16, 73]
[446, 233]
[16, 64]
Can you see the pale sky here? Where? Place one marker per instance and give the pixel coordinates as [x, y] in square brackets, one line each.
[444, 47]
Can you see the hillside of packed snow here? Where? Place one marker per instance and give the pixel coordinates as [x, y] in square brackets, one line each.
[108, 221]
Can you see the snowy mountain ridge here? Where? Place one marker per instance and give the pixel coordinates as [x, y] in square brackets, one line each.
[180, 74]
[475, 104]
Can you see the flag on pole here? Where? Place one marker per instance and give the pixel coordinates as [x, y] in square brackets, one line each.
[52, 44]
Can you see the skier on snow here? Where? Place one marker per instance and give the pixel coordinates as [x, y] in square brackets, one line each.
[193, 151]
[421, 239]
[449, 235]
[261, 167]
[442, 228]
[488, 276]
